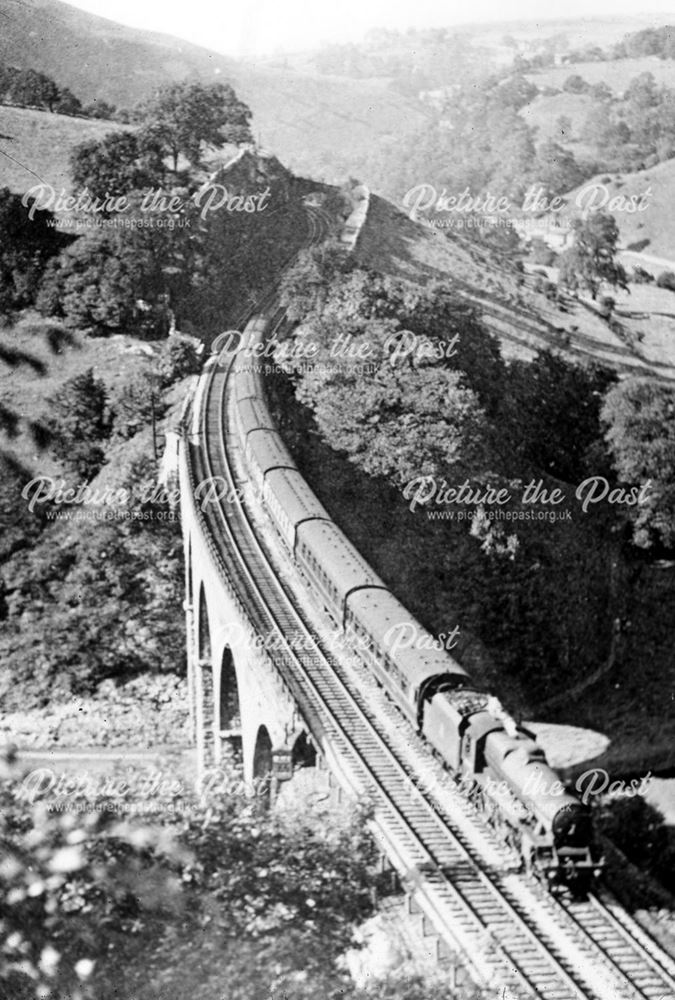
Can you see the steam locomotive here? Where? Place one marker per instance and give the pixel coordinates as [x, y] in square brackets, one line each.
[497, 759]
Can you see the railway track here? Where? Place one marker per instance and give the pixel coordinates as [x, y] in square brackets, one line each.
[517, 937]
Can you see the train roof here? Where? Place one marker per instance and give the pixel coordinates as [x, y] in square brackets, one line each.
[254, 415]
[293, 493]
[379, 611]
[344, 565]
[246, 383]
[269, 451]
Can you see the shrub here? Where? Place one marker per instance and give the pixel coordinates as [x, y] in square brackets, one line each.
[666, 280]
[148, 711]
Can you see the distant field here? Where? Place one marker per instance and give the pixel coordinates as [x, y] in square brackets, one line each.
[35, 146]
[579, 31]
[617, 73]
[544, 112]
[320, 126]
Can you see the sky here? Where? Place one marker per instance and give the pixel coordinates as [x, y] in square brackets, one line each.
[258, 27]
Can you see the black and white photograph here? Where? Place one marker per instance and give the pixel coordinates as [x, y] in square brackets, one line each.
[337, 500]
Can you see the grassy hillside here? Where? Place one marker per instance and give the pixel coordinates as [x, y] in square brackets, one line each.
[314, 124]
[318, 126]
[35, 146]
[523, 320]
[654, 227]
[543, 114]
[94, 56]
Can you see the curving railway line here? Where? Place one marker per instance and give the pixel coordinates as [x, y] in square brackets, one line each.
[514, 934]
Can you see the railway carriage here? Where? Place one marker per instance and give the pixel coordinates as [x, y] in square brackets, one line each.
[332, 564]
[246, 383]
[265, 452]
[408, 673]
[291, 504]
[252, 415]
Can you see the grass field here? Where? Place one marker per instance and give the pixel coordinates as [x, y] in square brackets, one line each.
[543, 114]
[641, 203]
[616, 73]
[656, 224]
[35, 146]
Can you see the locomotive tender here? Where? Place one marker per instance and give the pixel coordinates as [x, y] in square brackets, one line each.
[486, 750]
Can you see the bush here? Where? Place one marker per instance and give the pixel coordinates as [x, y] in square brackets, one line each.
[641, 277]
[666, 280]
[542, 254]
[148, 711]
[136, 403]
[576, 84]
[180, 357]
[178, 899]
[640, 832]
[79, 424]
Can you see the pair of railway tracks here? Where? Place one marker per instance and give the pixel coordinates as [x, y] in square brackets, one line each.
[515, 935]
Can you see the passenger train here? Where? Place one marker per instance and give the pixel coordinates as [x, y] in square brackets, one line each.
[497, 759]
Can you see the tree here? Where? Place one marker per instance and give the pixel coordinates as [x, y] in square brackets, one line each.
[180, 357]
[601, 91]
[639, 417]
[116, 279]
[648, 42]
[124, 560]
[185, 115]
[305, 284]
[513, 153]
[26, 247]
[81, 421]
[605, 132]
[557, 170]
[640, 110]
[400, 422]
[67, 103]
[90, 287]
[114, 166]
[33, 89]
[641, 833]
[516, 91]
[100, 109]
[550, 415]
[666, 279]
[591, 258]
[575, 84]
[137, 403]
